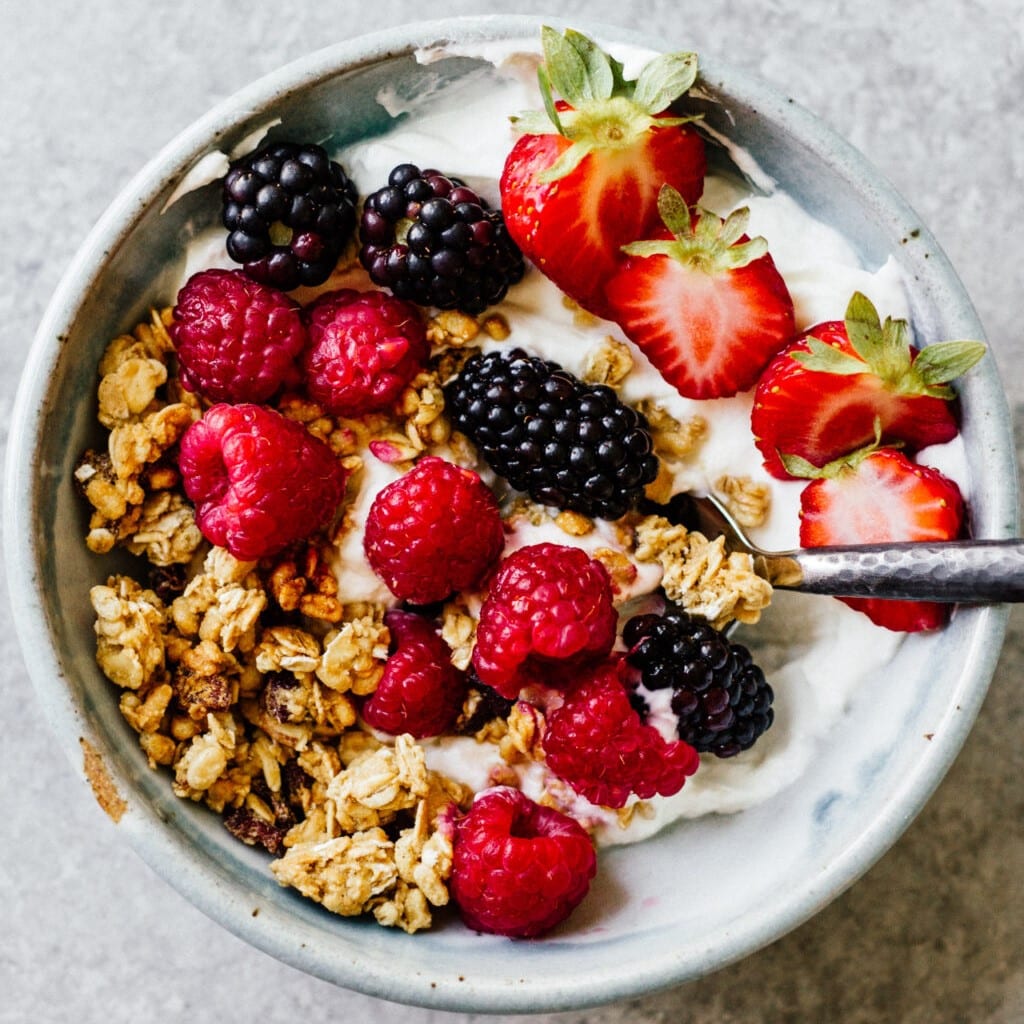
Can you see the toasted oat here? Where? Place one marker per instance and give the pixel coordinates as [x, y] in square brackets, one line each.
[522, 742]
[380, 783]
[748, 501]
[674, 440]
[354, 655]
[700, 575]
[129, 632]
[205, 759]
[452, 329]
[222, 603]
[343, 873]
[287, 648]
[165, 531]
[575, 524]
[608, 363]
[458, 630]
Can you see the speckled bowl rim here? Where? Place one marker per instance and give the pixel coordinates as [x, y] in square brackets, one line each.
[212, 890]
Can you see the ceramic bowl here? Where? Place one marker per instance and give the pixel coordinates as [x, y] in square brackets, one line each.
[671, 909]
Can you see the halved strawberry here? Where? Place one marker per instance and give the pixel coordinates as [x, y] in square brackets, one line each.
[704, 302]
[583, 179]
[873, 496]
[820, 398]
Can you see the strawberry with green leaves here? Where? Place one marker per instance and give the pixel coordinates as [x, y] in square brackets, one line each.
[820, 398]
[873, 496]
[704, 302]
[583, 178]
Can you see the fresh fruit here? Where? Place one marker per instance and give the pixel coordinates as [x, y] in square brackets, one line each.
[290, 211]
[548, 609]
[877, 495]
[364, 348]
[567, 444]
[236, 339]
[720, 697]
[421, 691]
[434, 530]
[434, 241]
[582, 180]
[597, 742]
[258, 480]
[704, 302]
[518, 869]
[820, 397]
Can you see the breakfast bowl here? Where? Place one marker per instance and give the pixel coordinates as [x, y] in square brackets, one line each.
[686, 899]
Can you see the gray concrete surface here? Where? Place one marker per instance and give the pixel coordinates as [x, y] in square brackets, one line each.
[931, 92]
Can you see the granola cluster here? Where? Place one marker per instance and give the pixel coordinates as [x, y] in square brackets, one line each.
[243, 679]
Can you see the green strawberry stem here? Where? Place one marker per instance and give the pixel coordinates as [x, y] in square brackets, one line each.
[884, 350]
[607, 111]
[706, 241]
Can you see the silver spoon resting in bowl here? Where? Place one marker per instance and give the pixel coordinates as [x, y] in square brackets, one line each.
[963, 571]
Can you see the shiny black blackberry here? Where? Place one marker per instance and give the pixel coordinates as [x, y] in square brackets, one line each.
[434, 241]
[721, 698]
[565, 443]
[290, 211]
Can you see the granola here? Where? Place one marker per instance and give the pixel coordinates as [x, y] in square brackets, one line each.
[242, 679]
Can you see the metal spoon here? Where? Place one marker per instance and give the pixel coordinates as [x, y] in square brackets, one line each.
[950, 571]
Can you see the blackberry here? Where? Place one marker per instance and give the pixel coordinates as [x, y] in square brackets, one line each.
[565, 443]
[721, 698]
[290, 211]
[434, 241]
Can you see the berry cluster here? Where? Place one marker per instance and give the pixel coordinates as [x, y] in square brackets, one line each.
[290, 211]
[720, 697]
[433, 240]
[567, 444]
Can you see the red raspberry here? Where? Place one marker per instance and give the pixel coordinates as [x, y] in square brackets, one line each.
[237, 340]
[597, 743]
[549, 607]
[518, 869]
[364, 348]
[259, 481]
[432, 531]
[421, 691]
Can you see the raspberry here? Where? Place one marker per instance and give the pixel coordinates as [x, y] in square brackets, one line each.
[259, 481]
[597, 743]
[518, 869]
[549, 608]
[421, 691]
[364, 348]
[237, 340]
[435, 530]
[290, 211]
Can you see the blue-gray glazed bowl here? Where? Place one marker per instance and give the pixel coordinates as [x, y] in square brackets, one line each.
[673, 908]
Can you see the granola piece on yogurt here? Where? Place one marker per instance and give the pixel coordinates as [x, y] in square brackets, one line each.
[700, 575]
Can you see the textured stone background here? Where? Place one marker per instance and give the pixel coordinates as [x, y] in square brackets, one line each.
[929, 91]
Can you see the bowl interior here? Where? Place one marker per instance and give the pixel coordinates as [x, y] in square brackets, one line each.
[677, 906]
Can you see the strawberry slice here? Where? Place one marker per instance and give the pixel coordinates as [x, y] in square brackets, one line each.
[704, 302]
[583, 179]
[873, 496]
[820, 398]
